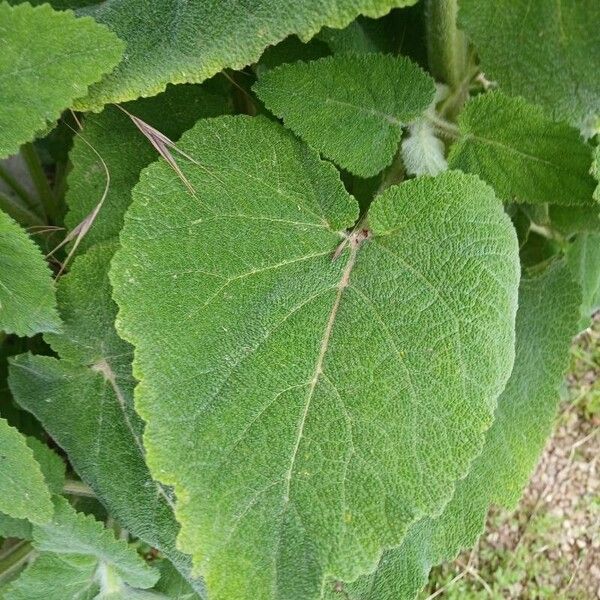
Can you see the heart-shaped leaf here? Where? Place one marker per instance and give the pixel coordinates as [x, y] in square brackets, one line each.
[308, 403]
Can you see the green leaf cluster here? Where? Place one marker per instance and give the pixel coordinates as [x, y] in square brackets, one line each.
[286, 290]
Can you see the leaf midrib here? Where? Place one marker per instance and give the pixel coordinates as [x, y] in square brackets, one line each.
[318, 369]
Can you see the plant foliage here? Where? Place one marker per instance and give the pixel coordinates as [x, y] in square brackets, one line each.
[260, 266]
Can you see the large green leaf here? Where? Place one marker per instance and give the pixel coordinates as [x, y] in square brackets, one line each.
[23, 493]
[27, 301]
[523, 154]
[125, 151]
[350, 108]
[546, 320]
[85, 401]
[306, 409]
[47, 60]
[547, 52]
[176, 41]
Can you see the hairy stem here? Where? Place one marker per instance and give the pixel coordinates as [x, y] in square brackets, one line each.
[20, 191]
[49, 205]
[447, 51]
[78, 488]
[14, 559]
[18, 212]
[446, 44]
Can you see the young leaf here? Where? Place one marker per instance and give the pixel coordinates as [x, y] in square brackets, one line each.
[126, 151]
[23, 493]
[547, 52]
[546, 321]
[423, 153]
[47, 60]
[268, 368]
[187, 42]
[350, 108]
[584, 259]
[85, 401]
[521, 153]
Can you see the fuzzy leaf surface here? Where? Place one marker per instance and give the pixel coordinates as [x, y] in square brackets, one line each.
[80, 559]
[72, 532]
[350, 108]
[53, 470]
[56, 577]
[85, 402]
[521, 153]
[27, 299]
[23, 493]
[176, 41]
[47, 60]
[423, 153]
[546, 322]
[547, 52]
[284, 365]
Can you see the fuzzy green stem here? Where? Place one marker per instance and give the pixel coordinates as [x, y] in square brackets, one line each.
[446, 44]
[78, 488]
[14, 559]
[48, 201]
[18, 212]
[19, 190]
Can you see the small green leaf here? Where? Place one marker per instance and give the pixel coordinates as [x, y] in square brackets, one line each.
[521, 153]
[56, 577]
[80, 559]
[546, 321]
[47, 60]
[584, 259]
[23, 493]
[74, 533]
[27, 301]
[267, 369]
[350, 108]
[85, 401]
[547, 52]
[178, 41]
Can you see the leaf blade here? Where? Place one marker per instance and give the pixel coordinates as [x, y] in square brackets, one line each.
[47, 60]
[541, 50]
[351, 108]
[546, 321]
[261, 234]
[208, 38]
[526, 157]
[27, 299]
